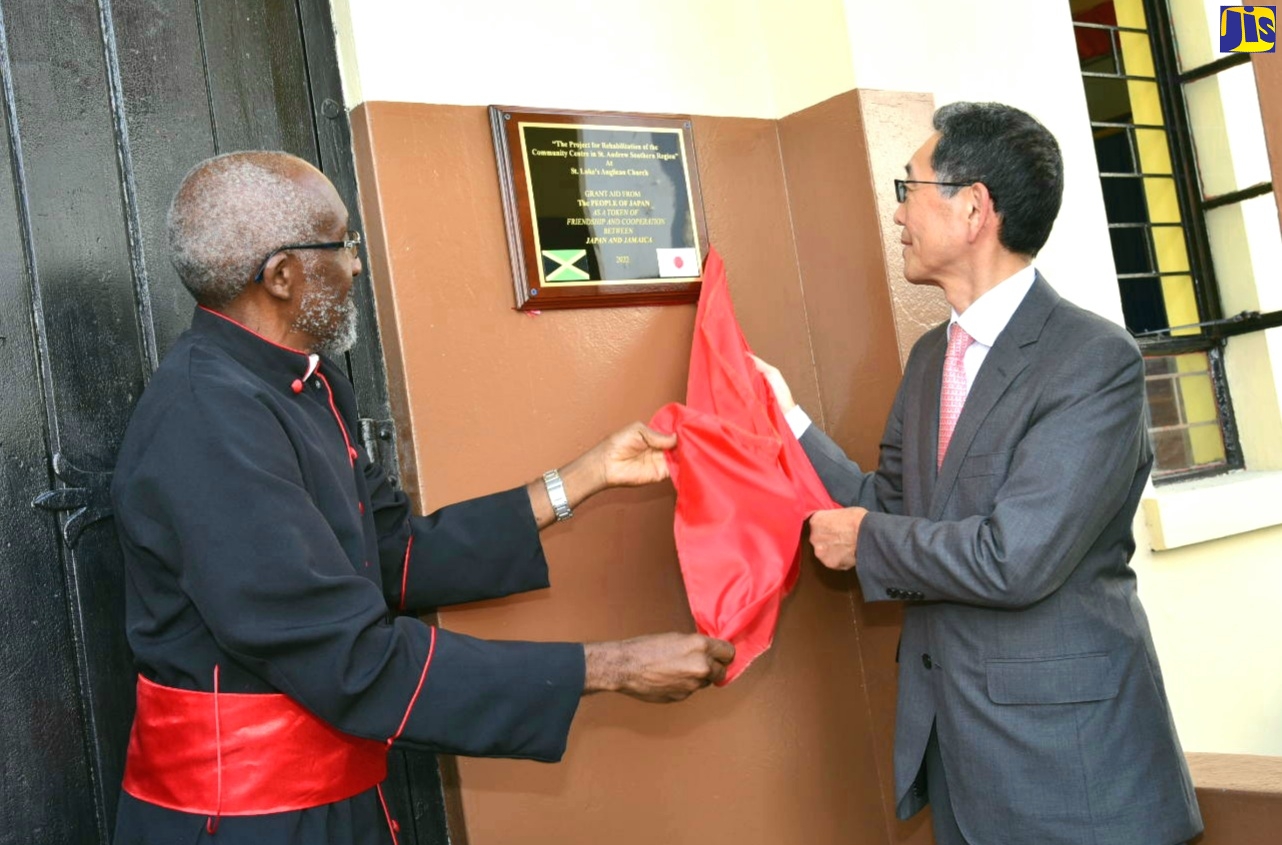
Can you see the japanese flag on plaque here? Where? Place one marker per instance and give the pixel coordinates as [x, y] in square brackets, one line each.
[676, 263]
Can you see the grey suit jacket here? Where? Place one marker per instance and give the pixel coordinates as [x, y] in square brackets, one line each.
[1024, 642]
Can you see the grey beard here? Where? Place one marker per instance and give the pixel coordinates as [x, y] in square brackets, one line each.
[328, 318]
[344, 335]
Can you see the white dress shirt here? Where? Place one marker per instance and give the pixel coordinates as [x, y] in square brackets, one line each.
[984, 320]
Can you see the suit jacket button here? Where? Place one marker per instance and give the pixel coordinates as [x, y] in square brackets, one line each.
[926, 661]
[893, 592]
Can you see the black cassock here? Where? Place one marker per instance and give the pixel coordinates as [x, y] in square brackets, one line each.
[259, 538]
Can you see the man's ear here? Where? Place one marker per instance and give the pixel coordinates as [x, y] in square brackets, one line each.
[282, 276]
[980, 212]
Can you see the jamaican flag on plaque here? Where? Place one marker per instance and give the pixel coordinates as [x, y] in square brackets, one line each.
[565, 265]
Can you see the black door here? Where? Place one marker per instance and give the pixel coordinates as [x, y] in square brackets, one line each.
[106, 104]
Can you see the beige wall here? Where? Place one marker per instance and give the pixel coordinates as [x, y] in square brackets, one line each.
[1215, 637]
[713, 57]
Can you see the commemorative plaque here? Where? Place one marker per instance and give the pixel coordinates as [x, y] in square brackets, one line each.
[601, 209]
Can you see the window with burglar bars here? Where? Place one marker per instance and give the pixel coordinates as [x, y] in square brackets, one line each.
[1175, 206]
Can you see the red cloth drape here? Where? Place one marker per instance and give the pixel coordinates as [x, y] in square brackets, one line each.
[744, 486]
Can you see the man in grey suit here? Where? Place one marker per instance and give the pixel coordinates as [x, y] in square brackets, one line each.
[1031, 706]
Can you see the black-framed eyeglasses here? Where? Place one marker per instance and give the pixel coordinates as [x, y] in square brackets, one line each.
[351, 243]
[901, 186]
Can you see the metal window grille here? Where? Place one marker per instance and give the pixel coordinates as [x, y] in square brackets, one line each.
[1155, 207]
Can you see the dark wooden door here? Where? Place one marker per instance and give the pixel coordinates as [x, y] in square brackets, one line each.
[106, 104]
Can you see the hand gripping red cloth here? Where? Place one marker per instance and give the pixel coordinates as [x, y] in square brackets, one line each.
[744, 485]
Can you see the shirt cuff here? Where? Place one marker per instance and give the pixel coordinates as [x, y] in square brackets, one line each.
[798, 421]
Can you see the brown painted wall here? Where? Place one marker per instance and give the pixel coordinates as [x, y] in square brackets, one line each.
[487, 398]
[1240, 796]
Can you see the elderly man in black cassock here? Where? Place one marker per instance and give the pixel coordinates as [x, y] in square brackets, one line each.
[266, 556]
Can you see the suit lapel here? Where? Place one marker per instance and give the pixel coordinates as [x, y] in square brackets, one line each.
[1010, 354]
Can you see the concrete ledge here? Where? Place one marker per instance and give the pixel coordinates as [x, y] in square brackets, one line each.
[1240, 796]
[1184, 513]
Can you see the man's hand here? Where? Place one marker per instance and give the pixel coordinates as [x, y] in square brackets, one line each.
[632, 456]
[775, 379]
[835, 534]
[657, 668]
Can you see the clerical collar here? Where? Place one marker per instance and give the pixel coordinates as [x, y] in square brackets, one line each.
[277, 362]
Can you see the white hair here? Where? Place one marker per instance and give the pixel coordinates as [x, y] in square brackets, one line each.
[231, 212]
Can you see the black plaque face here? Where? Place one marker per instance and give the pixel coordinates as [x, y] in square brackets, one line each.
[607, 208]
[611, 204]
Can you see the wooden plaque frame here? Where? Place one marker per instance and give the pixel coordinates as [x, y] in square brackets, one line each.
[679, 265]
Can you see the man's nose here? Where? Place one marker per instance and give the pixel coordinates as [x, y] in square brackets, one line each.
[899, 214]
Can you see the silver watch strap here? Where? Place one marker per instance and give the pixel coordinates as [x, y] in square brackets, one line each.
[556, 495]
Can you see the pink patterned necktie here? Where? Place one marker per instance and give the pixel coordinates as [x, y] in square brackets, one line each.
[953, 394]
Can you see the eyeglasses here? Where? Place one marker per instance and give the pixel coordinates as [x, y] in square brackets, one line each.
[349, 243]
[901, 186]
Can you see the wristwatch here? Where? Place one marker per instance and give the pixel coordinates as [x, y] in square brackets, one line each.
[556, 495]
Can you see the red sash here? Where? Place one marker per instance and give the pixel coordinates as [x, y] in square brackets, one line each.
[259, 754]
